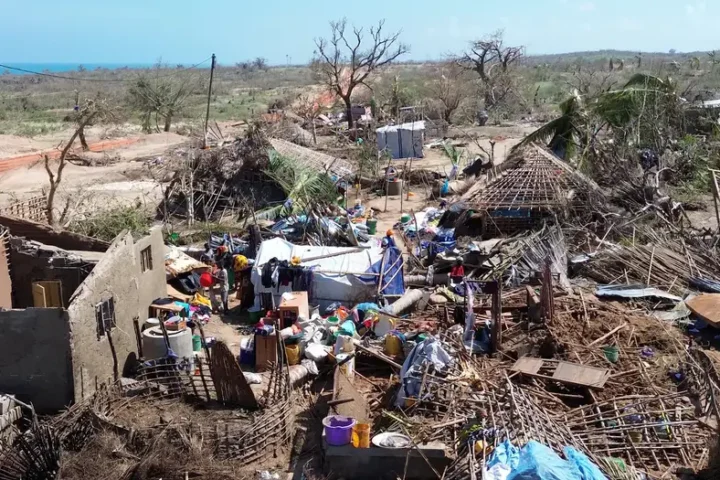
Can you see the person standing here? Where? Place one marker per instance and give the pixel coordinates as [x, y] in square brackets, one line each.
[223, 285]
[457, 273]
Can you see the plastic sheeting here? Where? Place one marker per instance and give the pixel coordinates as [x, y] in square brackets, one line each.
[634, 291]
[428, 351]
[402, 141]
[588, 470]
[535, 461]
[393, 280]
[344, 287]
[704, 284]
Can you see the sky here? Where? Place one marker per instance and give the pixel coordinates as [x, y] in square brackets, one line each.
[183, 31]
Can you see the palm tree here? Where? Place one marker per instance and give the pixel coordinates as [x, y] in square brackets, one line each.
[564, 134]
[642, 110]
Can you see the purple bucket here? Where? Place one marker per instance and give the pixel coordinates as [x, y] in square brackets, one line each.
[338, 430]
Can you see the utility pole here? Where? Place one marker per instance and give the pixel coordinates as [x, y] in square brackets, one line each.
[207, 113]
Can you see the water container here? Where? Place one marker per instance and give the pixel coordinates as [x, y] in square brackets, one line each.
[338, 430]
[348, 366]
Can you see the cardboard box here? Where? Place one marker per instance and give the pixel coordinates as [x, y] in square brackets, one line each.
[265, 351]
[292, 306]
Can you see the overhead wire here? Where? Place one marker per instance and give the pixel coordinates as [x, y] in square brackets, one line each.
[100, 80]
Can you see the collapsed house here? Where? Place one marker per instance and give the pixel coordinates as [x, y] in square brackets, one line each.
[68, 307]
[531, 187]
[232, 179]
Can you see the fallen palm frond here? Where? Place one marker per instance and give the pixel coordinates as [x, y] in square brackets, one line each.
[303, 186]
[453, 153]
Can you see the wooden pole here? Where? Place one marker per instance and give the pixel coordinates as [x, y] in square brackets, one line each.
[716, 193]
[138, 336]
[382, 271]
[387, 182]
[207, 112]
[116, 374]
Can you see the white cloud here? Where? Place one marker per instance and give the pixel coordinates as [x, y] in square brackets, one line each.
[691, 9]
[626, 24]
[587, 7]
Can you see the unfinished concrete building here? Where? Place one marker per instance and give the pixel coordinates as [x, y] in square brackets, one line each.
[67, 305]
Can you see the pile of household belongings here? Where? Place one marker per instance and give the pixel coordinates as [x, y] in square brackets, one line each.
[328, 274]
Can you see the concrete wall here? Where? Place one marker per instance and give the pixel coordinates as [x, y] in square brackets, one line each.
[33, 262]
[152, 283]
[35, 357]
[20, 227]
[117, 275]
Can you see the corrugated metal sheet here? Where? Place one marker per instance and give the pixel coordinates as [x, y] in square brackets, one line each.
[633, 291]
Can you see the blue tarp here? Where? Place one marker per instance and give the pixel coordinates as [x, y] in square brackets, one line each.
[510, 212]
[535, 461]
[538, 462]
[443, 240]
[588, 470]
[392, 279]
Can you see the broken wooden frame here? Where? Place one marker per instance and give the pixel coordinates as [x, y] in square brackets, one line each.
[655, 433]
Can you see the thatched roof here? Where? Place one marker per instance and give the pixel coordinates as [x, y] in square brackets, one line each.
[311, 158]
[532, 179]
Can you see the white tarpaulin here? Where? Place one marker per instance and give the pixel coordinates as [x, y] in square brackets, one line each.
[334, 277]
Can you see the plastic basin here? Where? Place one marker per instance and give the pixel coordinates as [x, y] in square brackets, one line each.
[338, 430]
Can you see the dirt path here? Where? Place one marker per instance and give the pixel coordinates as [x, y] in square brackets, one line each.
[7, 164]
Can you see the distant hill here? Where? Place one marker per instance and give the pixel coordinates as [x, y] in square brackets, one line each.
[607, 54]
[592, 56]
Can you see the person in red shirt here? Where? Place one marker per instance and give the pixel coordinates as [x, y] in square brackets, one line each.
[458, 271]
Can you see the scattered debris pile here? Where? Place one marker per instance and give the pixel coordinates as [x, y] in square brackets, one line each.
[211, 182]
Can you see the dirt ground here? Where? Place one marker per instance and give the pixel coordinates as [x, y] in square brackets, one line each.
[123, 180]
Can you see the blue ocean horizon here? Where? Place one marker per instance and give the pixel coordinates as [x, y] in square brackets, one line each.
[70, 67]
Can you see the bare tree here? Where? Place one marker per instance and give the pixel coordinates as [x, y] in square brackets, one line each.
[343, 62]
[164, 97]
[90, 112]
[492, 60]
[78, 117]
[450, 89]
[260, 63]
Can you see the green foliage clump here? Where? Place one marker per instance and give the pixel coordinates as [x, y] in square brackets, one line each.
[109, 224]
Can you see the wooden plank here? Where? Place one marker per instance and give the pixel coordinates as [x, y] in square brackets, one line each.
[707, 307]
[564, 372]
[528, 365]
[53, 293]
[38, 293]
[575, 374]
[343, 389]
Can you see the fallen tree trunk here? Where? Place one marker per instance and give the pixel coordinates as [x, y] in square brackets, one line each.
[420, 280]
[406, 302]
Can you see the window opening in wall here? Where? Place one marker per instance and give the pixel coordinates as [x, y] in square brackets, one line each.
[146, 259]
[105, 316]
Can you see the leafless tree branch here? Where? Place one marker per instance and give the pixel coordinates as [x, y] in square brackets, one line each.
[343, 64]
